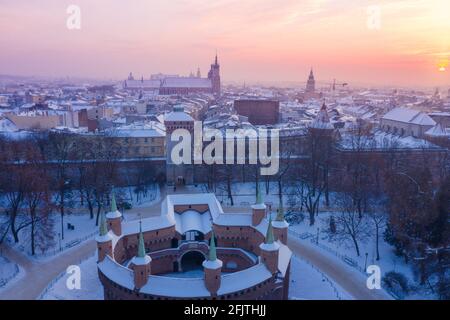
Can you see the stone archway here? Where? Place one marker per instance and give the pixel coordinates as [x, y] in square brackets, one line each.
[191, 260]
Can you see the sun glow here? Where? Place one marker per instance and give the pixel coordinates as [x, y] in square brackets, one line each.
[442, 65]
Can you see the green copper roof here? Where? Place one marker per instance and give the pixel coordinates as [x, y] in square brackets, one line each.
[141, 246]
[212, 248]
[269, 234]
[259, 199]
[103, 228]
[280, 213]
[113, 201]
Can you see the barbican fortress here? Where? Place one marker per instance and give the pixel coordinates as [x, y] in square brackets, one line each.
[194, 250]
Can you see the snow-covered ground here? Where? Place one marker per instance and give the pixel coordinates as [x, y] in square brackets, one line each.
[84, 226]
[9, 272]
[308, 283]
[346, 252]
[142, 199]
[244, 194]
[91, 288]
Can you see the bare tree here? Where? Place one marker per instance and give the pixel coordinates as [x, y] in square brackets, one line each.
[36, 195]
[350, 227]
[62, 150]
[13, 182]
[377, 214]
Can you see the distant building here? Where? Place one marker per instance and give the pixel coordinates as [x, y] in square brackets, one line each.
[311, 83]
[183, 173]
[406, 122]
[259, 112]
[442, 118]
[140, 141]
[173, 84]
[37, 121]
[310, 90]
[322, 120]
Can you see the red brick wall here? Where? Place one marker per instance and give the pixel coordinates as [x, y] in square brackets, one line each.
[258, 111]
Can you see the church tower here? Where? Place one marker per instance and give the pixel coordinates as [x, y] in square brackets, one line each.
[178, 173]
[311, 83]
[214, 76]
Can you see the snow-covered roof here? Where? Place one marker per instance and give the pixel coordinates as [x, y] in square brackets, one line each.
[259, 206]
[280, 224]
[113, 214]
[139, 261]
[105, 238]
[215, 264]
[409, 116]
[382, 140]
[284, 257]
[193, 220]
[437, 131]
[117, 273]
[240, 219]
[269, 246]
[178, 116]
[244, 279]
[148, 224]
[7, 125]
[175, 287]
[186, 82]
[155, 84]
[209, 199]
[322, 120]
[145, 130]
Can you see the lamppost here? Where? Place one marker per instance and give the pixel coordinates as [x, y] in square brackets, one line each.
[365, 263]
[59, 238]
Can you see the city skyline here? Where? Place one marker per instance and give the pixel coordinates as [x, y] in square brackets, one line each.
[403, 42]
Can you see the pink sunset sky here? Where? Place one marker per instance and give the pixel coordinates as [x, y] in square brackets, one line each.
[257, 40]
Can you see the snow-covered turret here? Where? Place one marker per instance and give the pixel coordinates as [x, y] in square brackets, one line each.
[258, 209]
[141, 264]
[114, 217]
[438, 131]
[322, 120]
[270, 250]
[438, 135]
[280, 226]
[104, 240]
[212, 268]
